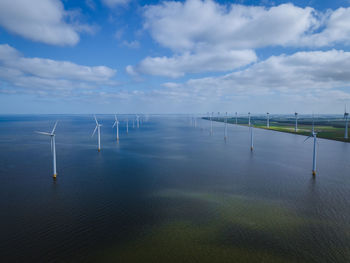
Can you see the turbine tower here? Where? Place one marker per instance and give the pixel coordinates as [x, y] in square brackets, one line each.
[251, 138]
[98, 126]
[138, 121]
[268, 120]
[346, 117]
[225, 135]
[314, 135]
[249, 119]
[127, 125]
[211, 123]
[236, 117]
[53, 148]
[296, 122]
[116, 123]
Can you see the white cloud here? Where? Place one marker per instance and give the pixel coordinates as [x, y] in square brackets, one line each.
[196, 24]
[337, 29]
[299, 74]
[37, 74]
[206, 36]
[211, 61]
[202, 24]
[114, 3]
[132, 44]
[130, 70]
[41, 21]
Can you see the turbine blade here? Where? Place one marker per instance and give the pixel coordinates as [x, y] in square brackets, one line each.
[54, 128]
[44, 133]
[114, 124]
[96, 120]
[307, 138]
[94, 131]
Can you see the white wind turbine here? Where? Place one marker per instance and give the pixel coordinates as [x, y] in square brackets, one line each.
[116, 123]
[98, 126]
[314, 135]
[249, 119]
[268, 120]
[236, 118]
[127, 125]
[211, 123]
[346, 117]
[138, 121]
[251, 138]
[225, 135]
[296, 122]
[53, 148]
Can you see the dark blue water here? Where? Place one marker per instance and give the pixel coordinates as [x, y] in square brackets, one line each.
[169, 192]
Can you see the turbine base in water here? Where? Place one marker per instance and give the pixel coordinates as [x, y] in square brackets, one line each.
[251, 148]
[313, 173]
[98, 149]
[54, 176]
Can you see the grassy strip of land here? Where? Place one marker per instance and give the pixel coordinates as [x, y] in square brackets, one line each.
[326, 128]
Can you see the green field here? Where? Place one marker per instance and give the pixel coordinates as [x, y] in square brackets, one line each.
[332, 128]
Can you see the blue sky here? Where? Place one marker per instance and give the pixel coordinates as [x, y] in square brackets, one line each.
[126, 56]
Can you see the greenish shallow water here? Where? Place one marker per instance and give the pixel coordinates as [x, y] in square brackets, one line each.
[169, 192]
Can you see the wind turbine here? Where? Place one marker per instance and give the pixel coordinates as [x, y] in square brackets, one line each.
[296, 122]
[53, 148]
[225, 136]
[138, 121]
[127, 125]
[314, 135]
[268, 120]
[251, 138]
[211, 123]
[236, 118]
[346, 117]
[249, 119]
[98, 126]
[133, 122]
[116, 123]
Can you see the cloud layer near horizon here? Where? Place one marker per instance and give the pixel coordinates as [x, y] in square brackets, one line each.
[47, 76]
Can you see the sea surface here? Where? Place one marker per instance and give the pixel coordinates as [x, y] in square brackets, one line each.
[169, 192]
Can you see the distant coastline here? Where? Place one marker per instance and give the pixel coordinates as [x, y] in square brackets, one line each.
[331, 128]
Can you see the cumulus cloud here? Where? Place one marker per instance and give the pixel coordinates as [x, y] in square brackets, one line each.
[38, 74]
[201, 24]
[206, 36]
[336, 29]
[178, 65]
[302, 73]
[41, 21]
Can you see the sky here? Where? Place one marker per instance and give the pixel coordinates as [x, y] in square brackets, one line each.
[193, 56]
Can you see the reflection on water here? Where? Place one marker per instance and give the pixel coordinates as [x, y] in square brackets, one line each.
[169, 192]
